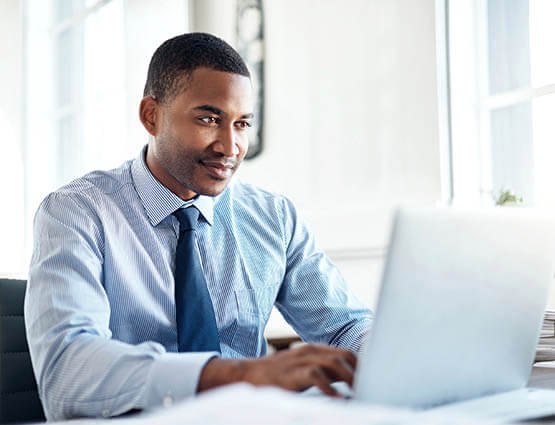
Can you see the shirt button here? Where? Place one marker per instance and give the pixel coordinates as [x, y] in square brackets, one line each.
[106, 413]
[168, 401]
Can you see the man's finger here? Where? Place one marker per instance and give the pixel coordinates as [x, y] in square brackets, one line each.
[335, 367]
[309, 349]
[316, 377]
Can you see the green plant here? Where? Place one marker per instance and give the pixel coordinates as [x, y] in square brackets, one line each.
[507, 197]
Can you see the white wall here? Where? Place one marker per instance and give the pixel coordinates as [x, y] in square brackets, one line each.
[351, 101]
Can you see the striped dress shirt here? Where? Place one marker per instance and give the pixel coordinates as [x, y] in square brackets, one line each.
[100, 309]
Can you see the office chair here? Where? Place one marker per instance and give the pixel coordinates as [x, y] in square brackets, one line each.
[19, 399]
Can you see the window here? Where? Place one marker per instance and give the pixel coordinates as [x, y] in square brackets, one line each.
[502, 80]
[85, 64]
[89, 99]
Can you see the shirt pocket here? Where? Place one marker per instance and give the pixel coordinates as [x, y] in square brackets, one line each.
[254, 306]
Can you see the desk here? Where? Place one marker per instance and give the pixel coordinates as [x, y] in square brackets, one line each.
[543, 376]
[283, 343]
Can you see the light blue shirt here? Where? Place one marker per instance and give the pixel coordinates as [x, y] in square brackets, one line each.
[100, 310]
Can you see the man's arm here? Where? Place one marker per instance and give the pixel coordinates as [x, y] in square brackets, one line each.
[79, 369]
[314, 298]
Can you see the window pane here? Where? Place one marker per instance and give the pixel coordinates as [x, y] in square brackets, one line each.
[69, 149]
[512, 151]
[508, 45]
[544, 142]
[69, 64]
[65, 9]
[103, 90]
[542, 34]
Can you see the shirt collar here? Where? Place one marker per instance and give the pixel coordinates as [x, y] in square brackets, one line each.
[158, 200]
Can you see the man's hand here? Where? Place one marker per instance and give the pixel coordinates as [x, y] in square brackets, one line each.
[296, 370]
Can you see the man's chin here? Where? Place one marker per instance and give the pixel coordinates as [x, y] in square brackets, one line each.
[214, 189]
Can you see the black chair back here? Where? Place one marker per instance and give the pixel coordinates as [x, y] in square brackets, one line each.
[19, 399]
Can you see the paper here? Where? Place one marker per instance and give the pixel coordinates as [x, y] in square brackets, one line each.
[243, 404]
[246, 405]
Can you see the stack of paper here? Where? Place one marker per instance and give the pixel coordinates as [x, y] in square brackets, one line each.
[546, 346]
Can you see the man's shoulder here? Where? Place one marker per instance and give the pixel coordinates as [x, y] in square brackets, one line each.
[94, 186]
[99, 181]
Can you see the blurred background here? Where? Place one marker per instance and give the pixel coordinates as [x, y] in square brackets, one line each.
[363, 105]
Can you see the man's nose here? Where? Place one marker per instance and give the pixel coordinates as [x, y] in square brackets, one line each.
[227, 144]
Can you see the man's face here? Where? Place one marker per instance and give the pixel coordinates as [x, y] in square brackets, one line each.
[201, 135]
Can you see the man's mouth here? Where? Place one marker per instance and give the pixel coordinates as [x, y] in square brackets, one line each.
[219, 169]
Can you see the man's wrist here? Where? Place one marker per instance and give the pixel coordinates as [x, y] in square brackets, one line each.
[219, 372]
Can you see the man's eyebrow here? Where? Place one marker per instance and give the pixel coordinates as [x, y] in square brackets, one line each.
[218, 111]
[209, 108]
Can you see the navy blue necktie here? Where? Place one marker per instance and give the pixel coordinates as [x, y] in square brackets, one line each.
[194, 313]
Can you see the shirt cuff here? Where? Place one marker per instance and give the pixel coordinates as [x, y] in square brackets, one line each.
[173, 377]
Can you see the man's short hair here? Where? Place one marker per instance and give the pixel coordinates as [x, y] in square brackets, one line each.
[176, 59]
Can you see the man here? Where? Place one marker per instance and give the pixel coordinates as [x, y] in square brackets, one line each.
[131, 306]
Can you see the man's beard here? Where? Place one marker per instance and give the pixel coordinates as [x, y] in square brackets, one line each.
[182, 168]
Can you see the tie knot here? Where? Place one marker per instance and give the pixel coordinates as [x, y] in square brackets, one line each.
[187, 217]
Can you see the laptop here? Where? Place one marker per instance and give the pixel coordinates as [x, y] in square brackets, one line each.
[459, 314]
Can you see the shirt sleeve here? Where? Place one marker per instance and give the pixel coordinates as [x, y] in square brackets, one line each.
[80, 370]
[314, 297]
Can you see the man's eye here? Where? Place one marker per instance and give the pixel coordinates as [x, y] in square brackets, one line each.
[243, 124]
[209, 120]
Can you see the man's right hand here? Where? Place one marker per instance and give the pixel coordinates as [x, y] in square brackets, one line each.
[295, 370]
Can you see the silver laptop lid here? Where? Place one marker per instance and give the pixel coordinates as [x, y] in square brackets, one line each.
[460, 308]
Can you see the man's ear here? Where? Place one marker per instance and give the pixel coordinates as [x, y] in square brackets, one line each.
[148, 114]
